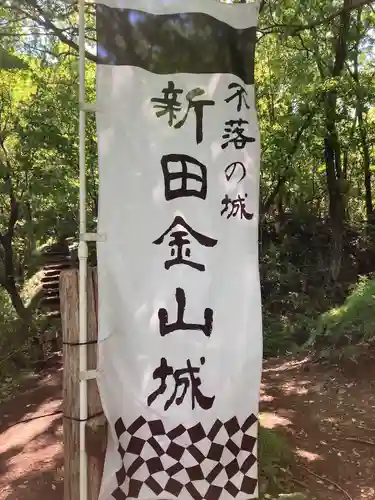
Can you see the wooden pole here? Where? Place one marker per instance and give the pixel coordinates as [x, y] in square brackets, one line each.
[96, 426]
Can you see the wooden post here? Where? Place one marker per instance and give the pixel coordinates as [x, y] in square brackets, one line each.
[96, 426]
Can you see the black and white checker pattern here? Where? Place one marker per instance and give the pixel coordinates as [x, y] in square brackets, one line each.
[198, 463]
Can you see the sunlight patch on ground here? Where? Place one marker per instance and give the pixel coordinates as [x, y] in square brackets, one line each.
[270, 420]
[308, 455]
[289, 365]
[299, 388]
[266, 398]
[29, 463]
[332, 420]
[21, 434]
[367, 493]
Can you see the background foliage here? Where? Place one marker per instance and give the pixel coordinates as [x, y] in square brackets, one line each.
[315, 82]
[315, 98]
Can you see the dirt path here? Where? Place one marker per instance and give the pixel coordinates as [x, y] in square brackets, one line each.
[320, 409]
[31, 441]
[315, 407]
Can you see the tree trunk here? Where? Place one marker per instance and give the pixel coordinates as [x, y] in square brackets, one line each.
[27, 329]
[366, 163]
[16, 300]
[362, 125]
[10, 281]
[336, 201]
[332, 147]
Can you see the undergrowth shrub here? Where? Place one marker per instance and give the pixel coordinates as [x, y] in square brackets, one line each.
[9, 343]
[296, 279]
[274, 454]
[18, 349]
[291, 300]
[343, 328]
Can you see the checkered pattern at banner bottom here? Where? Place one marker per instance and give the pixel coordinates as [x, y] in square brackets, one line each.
[186, 462]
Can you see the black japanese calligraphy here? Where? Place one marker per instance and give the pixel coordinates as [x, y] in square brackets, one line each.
[233, 168]
[188, 180]
[234, 133]
[184, 379]
[198, 108]
[163, 372]
[235, 207]
[239, 94]
[169, 105]
[179, 324]
[180, 244]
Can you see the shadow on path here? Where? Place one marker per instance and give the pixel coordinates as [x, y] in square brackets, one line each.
[320, 409]
[31, 456]
[324, 412]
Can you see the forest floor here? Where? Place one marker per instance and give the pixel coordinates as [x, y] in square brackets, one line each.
[326, 414]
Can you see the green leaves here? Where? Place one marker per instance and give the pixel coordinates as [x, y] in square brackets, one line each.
[39, 127]
[10, 61]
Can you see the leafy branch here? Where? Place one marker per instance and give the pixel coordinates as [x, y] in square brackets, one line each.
[295, 29]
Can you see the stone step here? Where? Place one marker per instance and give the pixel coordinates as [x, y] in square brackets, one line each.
[58, 250]
[51, 293]
[49, 301]
[51, 258]
[50, 285]
[50, 279]
[57, 265]
[52, 273]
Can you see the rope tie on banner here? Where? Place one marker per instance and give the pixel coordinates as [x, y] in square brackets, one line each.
[75, 419]
[89, 342]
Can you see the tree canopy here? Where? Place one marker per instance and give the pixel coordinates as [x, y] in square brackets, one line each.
[315, 97]
[315, 92]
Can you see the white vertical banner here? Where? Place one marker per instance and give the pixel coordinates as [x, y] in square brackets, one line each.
[180, 333]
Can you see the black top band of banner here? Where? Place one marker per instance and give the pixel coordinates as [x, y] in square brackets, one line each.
[167, 44]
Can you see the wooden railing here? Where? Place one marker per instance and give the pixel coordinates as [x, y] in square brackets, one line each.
[96, 425]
